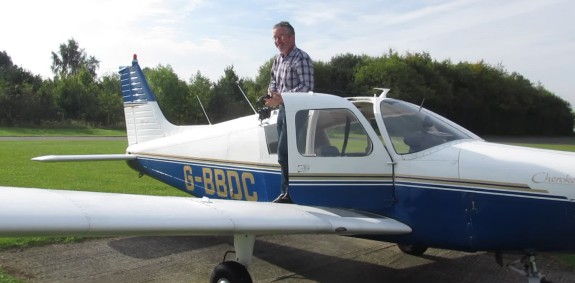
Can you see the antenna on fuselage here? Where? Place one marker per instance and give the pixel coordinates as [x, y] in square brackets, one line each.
[246, 97]
[383, 93]
[205, 114]
[421, 105]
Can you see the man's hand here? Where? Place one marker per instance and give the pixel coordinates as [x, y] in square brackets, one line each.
[275, 100]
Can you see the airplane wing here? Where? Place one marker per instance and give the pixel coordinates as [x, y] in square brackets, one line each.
[42, 212]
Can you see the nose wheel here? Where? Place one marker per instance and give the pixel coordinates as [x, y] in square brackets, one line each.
[525, 266]
[409, 249]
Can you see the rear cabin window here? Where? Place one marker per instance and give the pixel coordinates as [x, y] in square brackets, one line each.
[331, 133]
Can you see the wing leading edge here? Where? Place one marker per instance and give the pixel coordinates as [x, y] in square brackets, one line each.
[41, 212]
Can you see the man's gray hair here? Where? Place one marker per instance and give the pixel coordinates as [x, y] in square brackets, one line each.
[286, 25]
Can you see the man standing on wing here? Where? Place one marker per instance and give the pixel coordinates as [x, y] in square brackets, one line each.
[292, 71]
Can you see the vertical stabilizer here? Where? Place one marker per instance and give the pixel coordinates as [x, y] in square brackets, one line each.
[144, 119]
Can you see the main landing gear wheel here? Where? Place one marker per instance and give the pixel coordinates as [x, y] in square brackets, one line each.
[412, 249]
[230, 272]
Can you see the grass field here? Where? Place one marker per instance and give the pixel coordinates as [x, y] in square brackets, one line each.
[107, 176]
[6, 278]
[16, 169]
[35, 132]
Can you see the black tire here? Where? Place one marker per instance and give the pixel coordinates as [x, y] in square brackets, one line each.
[412, 249]
[230, 272]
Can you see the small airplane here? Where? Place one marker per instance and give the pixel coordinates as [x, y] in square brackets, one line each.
[369, 167]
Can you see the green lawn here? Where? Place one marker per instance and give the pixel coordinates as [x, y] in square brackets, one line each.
[36, 132]
[564, 147]
[107, 176]
[7, 278]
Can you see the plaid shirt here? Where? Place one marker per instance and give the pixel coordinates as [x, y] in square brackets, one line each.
[292, 73]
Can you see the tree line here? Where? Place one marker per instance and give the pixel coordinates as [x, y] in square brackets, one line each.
[486, 99]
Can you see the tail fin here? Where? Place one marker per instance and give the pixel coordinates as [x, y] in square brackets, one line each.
[144, 119]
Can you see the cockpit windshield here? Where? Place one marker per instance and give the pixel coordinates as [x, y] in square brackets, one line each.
[412, 129]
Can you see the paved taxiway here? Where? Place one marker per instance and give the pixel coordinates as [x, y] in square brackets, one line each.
[299, 258]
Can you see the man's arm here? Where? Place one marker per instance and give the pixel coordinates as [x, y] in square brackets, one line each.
[274, 98]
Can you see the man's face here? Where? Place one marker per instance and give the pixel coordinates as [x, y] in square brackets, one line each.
[283, 41]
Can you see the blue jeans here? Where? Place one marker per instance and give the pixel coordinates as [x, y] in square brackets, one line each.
[282, 148]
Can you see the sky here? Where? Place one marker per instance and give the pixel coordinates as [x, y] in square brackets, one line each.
[535, 38]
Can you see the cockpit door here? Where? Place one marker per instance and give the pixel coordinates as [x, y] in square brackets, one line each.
[335, 157]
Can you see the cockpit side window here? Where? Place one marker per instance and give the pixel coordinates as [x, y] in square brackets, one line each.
[412, 129]
[331, 133]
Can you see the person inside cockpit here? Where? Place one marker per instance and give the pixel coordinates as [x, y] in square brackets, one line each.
[425, 138]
